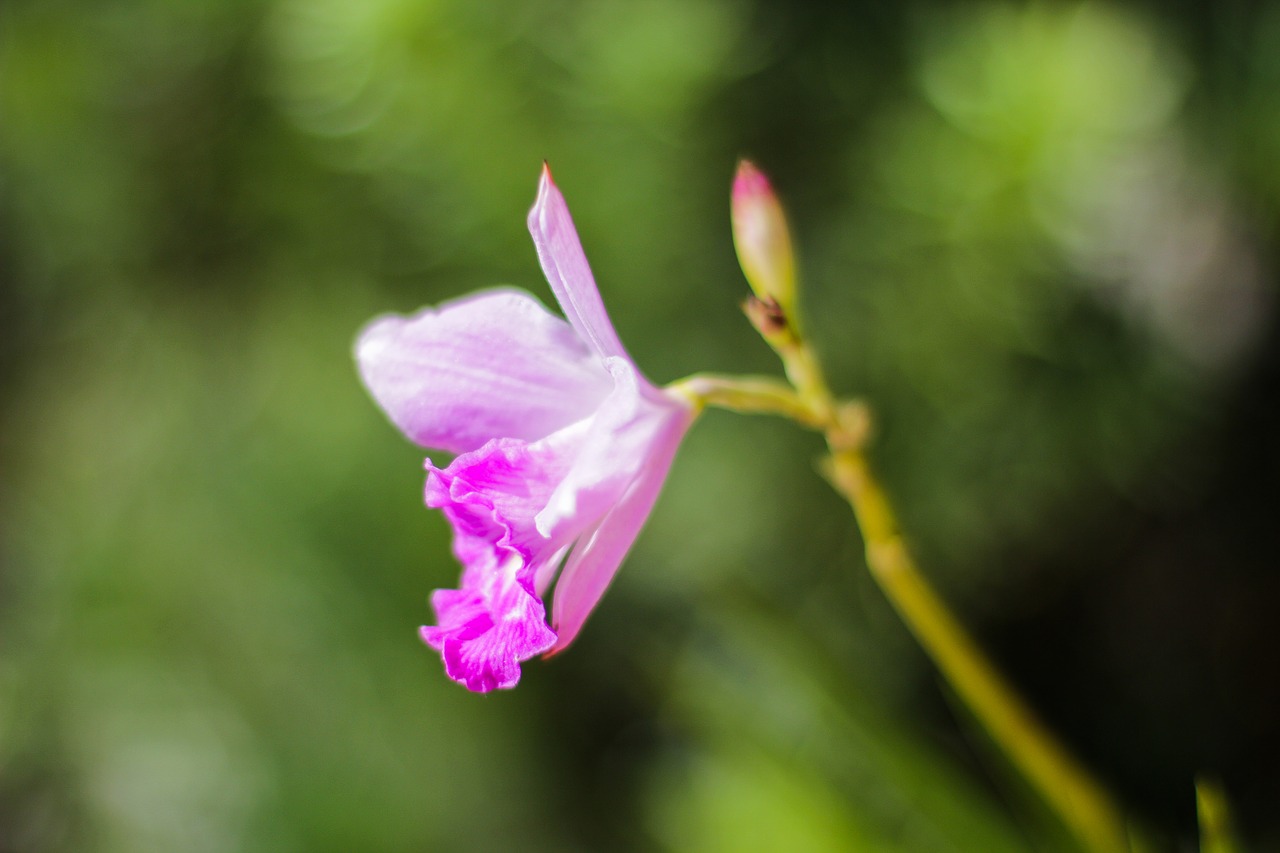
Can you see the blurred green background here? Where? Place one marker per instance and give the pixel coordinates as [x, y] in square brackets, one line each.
[1041, 239]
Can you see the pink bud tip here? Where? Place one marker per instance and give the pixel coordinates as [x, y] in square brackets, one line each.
[749, 182]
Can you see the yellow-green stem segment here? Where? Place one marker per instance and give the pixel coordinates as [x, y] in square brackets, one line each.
[1215, 818]
[1082, 804]
[1066, 786]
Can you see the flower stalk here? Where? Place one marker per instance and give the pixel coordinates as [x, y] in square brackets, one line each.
[757, 395]
[1079, 800]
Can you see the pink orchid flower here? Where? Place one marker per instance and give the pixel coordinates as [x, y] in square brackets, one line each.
[562, 449]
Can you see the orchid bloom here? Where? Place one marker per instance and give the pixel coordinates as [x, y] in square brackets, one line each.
[562, 449]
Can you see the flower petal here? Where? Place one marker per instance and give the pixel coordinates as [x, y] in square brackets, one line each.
[496, 364]
[618, 444]
[488, 627]
[491, 496]
[565, 266]
[596, 558]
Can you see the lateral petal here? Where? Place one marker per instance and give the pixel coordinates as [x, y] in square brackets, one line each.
[496, 364]
[619, 443]
[594, 561]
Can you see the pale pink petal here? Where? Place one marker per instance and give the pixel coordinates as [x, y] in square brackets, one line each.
[547, 571]
[565, 266]
[613, 451]
[594, 561]
[492, 365]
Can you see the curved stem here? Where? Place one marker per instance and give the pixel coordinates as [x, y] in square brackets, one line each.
[760, 395]
[1066, 786]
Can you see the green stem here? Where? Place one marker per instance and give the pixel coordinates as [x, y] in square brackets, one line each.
[1066, 786]
[1215, 818]
[759, 395]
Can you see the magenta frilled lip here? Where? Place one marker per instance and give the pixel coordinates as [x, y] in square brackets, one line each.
[562, 444]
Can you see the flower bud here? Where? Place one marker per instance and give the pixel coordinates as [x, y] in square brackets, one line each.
[761, 238]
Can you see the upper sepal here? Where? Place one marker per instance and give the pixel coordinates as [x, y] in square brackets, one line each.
[566, 268]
